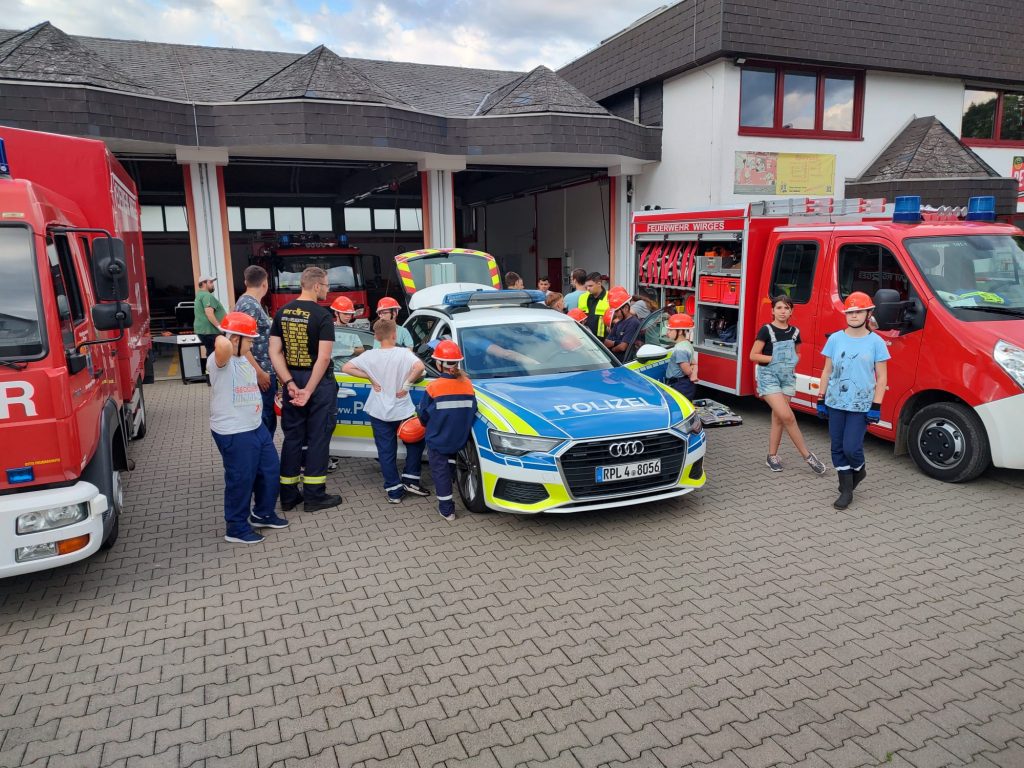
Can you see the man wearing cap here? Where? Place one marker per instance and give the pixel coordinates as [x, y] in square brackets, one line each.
[209, 312]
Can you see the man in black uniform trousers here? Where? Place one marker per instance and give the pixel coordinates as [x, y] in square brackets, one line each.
[301, 340]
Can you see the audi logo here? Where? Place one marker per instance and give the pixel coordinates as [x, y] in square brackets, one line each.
[631, 448]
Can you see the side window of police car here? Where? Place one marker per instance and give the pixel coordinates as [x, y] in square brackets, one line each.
[420, 328]
[651, 331]
[868, 267]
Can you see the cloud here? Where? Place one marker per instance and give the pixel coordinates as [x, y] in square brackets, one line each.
[511, 34]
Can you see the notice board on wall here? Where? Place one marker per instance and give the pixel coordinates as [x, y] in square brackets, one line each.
[784, 173]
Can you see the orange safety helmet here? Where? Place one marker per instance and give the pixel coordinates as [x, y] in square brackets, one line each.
[858, 301]
[609, 315]
[577, 314]
[388, 303]
[447, 351]
[344, 305]
[618, 297]
[239, 324]
[412, 430]
[680, 322]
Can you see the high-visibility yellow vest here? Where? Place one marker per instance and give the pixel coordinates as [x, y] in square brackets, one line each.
[601, 308]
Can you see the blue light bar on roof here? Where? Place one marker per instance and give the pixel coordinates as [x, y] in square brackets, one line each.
[482, 297]
[907, 210]
[284, 241]
[981, 209]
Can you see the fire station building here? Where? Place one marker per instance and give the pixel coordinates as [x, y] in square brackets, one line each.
[701, 103]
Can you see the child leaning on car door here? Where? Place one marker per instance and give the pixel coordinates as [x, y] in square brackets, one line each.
[447, 410]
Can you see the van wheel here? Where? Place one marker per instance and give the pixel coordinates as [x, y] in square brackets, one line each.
[948, 442]
[116, 497]
[469, 478]
[141, 431]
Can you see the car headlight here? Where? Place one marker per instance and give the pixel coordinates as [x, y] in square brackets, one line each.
[47, 519]
[1011, 360]
[520, 445]
[691, 425]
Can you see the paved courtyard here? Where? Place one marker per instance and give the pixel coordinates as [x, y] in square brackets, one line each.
[746, 625]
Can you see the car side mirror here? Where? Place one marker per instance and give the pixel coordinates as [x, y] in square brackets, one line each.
[888, 309]
[112, 317]
[109, 269]
[648, 353]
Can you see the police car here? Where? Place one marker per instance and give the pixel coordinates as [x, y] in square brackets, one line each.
[562, 425]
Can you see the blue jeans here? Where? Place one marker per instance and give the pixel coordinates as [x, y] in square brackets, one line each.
[251, 470]
[847, 430]
[441, 467]
[269, 417]
[385, 436]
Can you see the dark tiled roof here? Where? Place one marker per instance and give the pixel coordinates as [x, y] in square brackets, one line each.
[45, 54]
[214, 75]
[320, 74]
[540, 90]
[927, 149]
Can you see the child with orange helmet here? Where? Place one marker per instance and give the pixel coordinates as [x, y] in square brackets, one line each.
[775, 354]
[448, 411]
[853, 383]
[682, 364]
[387, 309]
[251, 465]
[624, 324]
[346, 343]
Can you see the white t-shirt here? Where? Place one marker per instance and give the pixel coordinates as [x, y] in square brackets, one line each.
[236, 403]
[389, 368]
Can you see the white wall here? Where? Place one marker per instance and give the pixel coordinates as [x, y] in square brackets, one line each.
[701, 122]
[508, 236]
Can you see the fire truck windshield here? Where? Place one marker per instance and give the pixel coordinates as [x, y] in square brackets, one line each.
[982, 275]
[21, 320]
[342, 272]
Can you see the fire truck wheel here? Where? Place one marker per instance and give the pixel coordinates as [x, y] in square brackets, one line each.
[469, 479]
[947, 441]
[141, 431]
[117, 499]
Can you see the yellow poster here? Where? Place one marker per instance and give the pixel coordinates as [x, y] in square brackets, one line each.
[799, 174]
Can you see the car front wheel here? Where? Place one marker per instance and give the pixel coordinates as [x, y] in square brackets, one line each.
[469, 478]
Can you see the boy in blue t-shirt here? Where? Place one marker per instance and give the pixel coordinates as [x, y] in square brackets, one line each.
[853, 384]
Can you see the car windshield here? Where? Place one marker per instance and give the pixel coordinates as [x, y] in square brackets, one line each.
[20, 313]
[450, 268]
[531, 349]
[978, 277]
[341, 271]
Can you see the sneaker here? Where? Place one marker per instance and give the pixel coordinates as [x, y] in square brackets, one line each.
[332, 463]
[245, 538]
[774, 463]
[268, 522]
[816, 464]
[331, 500]
[395, 499]
[416, 489]
[449, 516]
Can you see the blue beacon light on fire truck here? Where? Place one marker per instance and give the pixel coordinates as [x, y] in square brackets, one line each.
[981, 209]
[907, 210]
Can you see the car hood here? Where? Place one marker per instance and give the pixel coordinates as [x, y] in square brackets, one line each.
[585, 404]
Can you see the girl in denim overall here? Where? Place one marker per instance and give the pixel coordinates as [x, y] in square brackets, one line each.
[776, 356]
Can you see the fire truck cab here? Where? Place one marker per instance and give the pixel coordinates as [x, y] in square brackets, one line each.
[948, 286]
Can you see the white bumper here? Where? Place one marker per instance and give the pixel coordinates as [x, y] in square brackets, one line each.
[1004, 422]
[16, 504]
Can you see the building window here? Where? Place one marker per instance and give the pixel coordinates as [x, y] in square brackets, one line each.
[317, 220]
[234, 218]
[993, 117]
[358, 220]
[152, 218]
[385, 218]
[411, 219]
[177, 220]
[777, 100]
[257, 218]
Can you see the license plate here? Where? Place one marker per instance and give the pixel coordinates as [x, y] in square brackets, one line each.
[618, 472]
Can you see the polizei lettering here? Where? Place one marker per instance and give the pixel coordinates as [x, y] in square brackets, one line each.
[598, 406]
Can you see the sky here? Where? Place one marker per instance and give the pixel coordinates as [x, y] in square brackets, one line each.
[489, 34]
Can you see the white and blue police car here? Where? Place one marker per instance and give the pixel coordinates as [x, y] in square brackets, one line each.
[563, 426]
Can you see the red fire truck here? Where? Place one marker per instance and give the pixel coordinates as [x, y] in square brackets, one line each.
[285, 255]
[949, 293]
[74, 346]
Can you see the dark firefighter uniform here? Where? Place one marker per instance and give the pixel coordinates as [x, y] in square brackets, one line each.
[301, 326]
[447, 410]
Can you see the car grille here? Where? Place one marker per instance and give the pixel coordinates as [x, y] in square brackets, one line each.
[519, 492]
[579, 462]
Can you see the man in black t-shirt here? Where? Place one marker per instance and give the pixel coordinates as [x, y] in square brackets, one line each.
[301, 341]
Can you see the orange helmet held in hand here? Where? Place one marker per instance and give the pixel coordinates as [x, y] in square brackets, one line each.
[577, 314]
[239, 324]
[609, 315]
[858, 301]
[344, 305]
[411, 430]
[680, 322]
